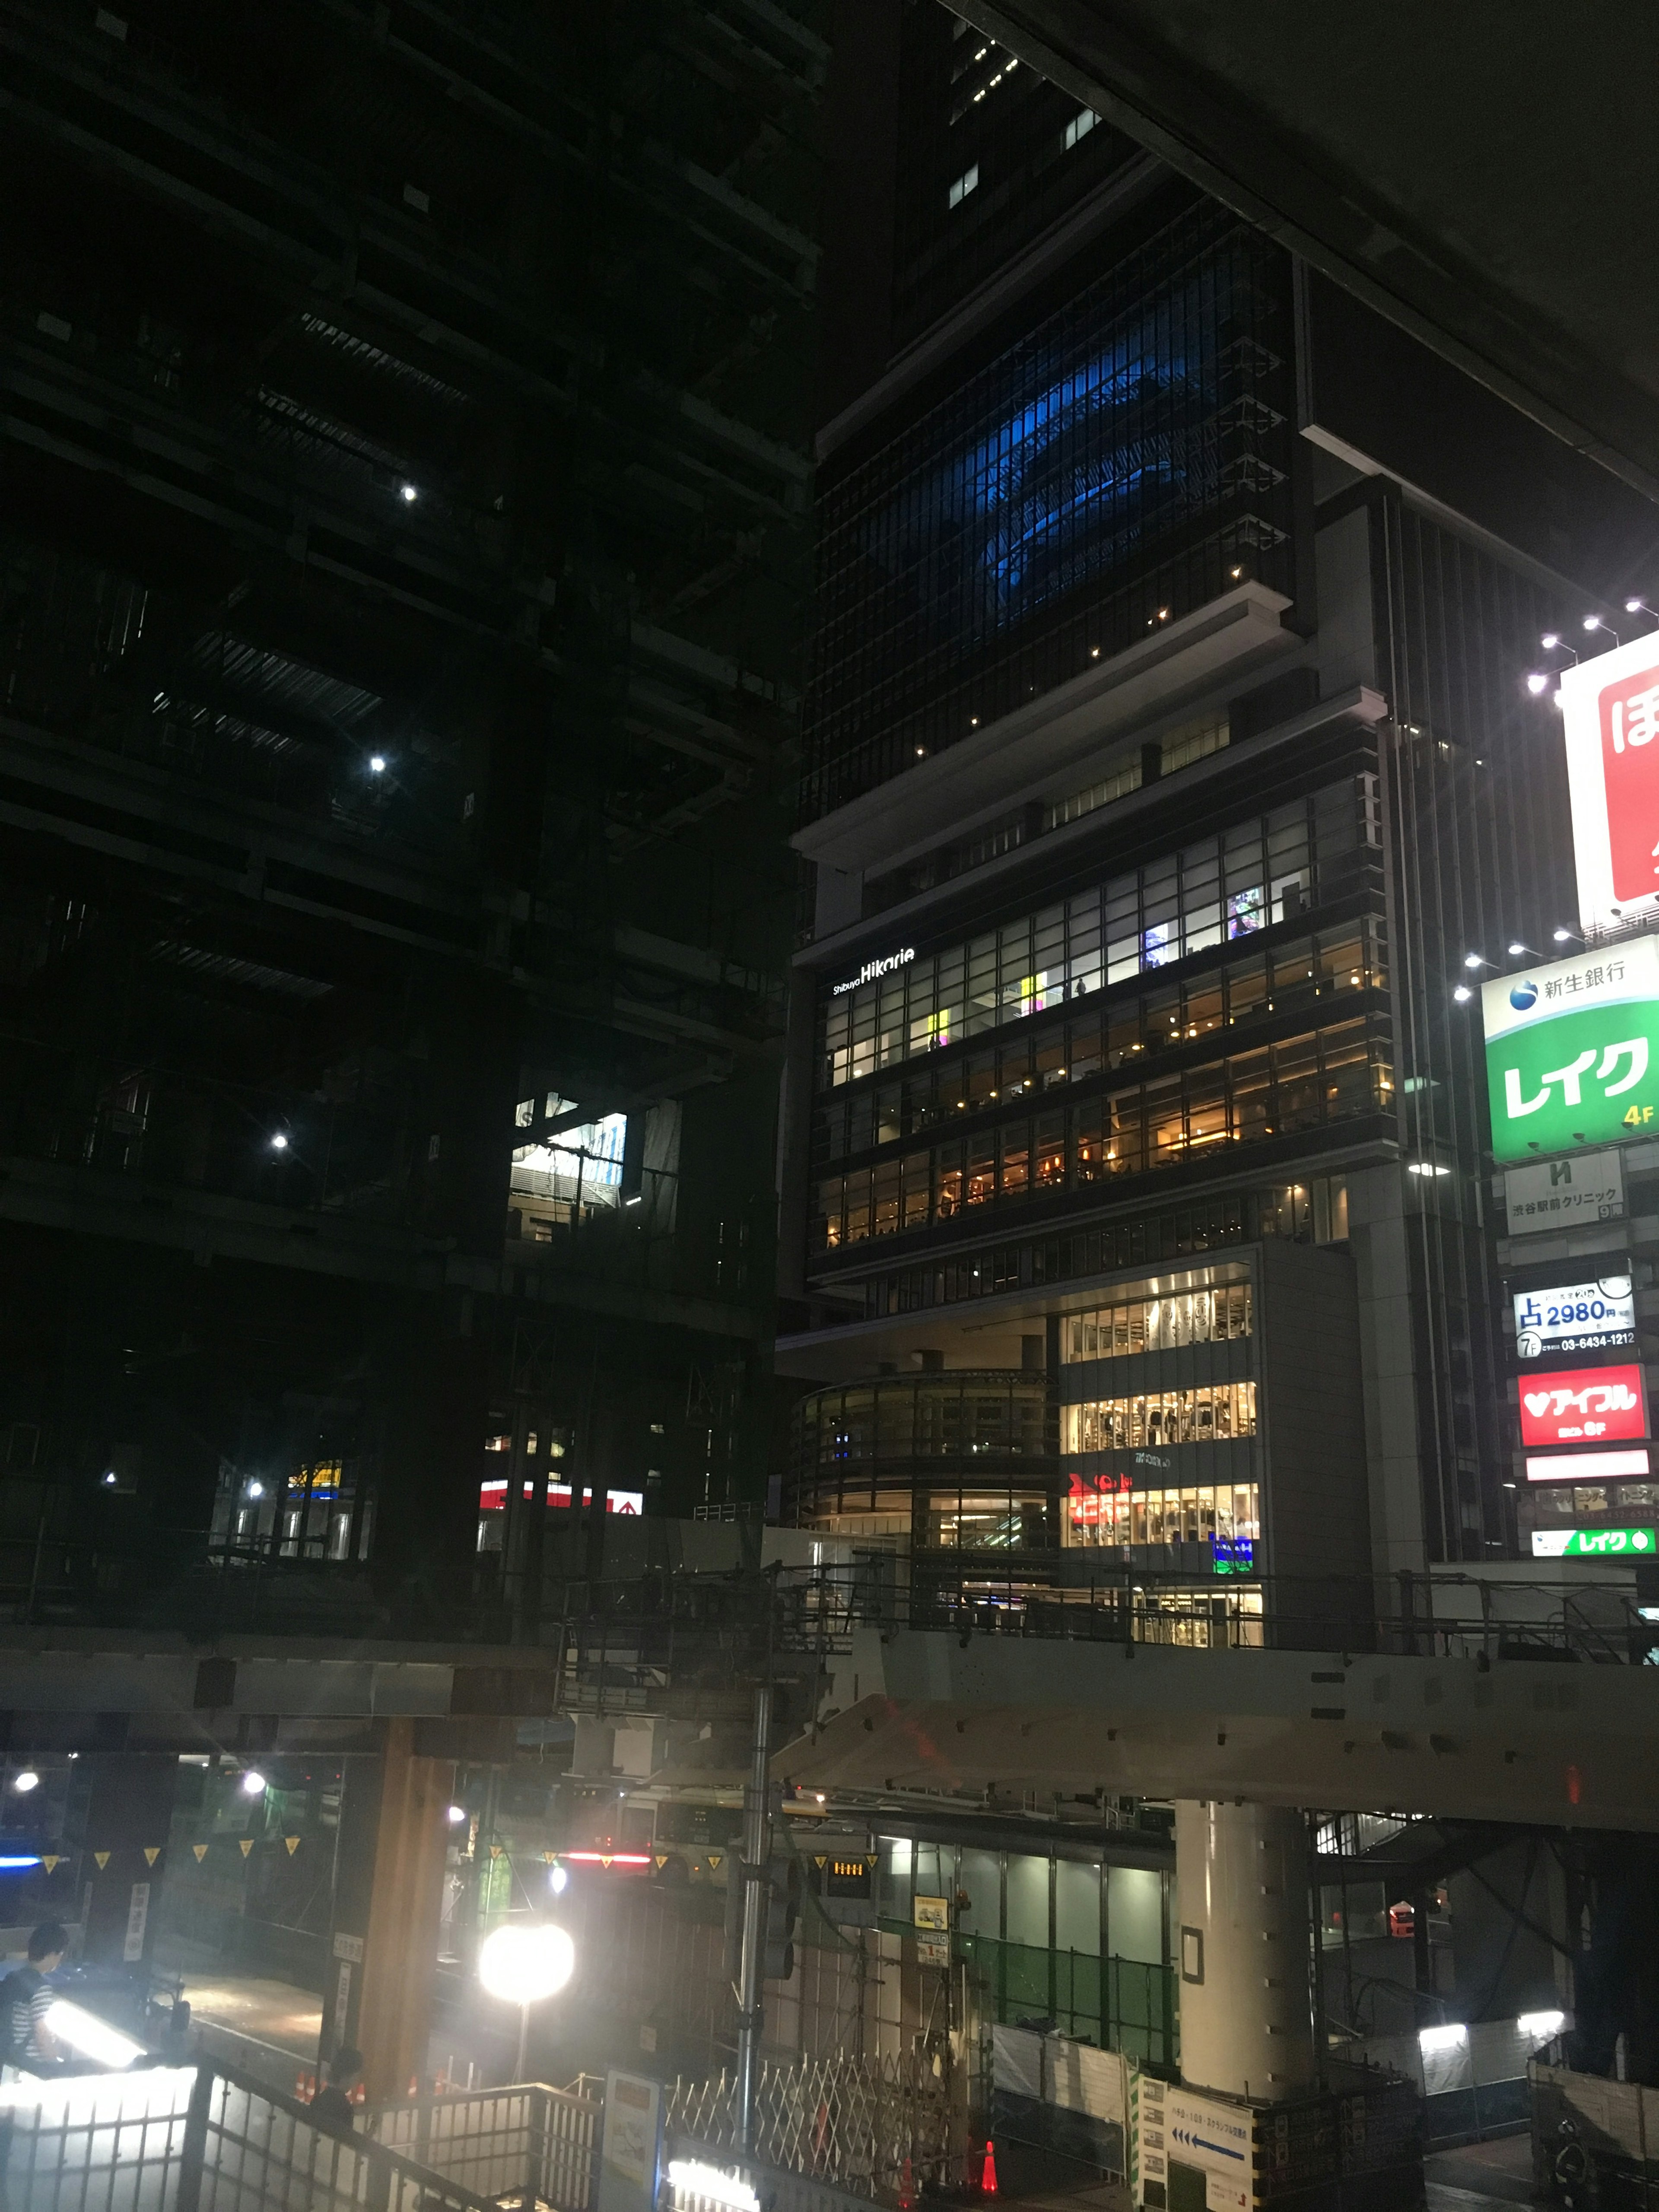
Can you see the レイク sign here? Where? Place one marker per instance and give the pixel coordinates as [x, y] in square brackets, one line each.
[1583, 1405]
[1593, 1543]
[1572, 1051]
[1610, 711]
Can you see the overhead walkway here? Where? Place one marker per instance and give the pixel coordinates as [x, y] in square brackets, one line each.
[1016, 1720]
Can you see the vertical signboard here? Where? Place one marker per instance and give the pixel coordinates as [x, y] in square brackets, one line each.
[631, 2143]
[1572, 1051]
[1610, 710]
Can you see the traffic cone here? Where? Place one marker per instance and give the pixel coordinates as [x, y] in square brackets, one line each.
[988, 2180]
[906, 2187]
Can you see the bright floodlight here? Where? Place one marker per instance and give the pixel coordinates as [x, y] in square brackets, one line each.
[1441, 2039]
[692, 2178]
[377, 763]
[1562, 935]
[521, 1965]
[1592, 622]
[256, 1490]
[1516, 951]
[1631, 607]
[410, 494]
[1473, 960]
[1543, 2025]
[279, 1142]
[253, 1784]
[1462, 994]
[93, 2037]
[557, 1877]
[457, 1815]
[27, 1780]
[1550, 640]
[1535, 684]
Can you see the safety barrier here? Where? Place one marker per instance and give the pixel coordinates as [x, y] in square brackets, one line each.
[197, 2138]
[527, 2140]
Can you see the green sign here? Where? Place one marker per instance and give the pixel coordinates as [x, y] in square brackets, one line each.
[1572, 1051]
[1595, 1543]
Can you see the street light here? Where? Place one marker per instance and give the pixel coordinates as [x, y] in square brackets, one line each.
[523, 1965]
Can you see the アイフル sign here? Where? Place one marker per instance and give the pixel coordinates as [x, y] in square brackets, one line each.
[1583, 1405]
[1572, 1051]
[1610, 715]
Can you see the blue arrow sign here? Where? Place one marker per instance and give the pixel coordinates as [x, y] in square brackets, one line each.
[1202, 2142]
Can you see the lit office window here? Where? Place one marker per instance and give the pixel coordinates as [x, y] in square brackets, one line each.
[1156, 1324]
[966, 183]
[1079, 126]
[1214, 1413]
[1196, 1514]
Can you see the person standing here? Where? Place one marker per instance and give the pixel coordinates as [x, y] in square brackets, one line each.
[333, 2103]
[27, 1997]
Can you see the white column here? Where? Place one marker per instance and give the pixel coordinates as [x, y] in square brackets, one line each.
[1241, 1947]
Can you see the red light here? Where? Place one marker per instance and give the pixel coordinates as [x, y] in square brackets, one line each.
[610, 1858]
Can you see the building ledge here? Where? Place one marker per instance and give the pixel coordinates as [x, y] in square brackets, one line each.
[993, 766]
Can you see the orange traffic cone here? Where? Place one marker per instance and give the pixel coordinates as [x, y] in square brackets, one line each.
[906, 2187]
[988, 2180]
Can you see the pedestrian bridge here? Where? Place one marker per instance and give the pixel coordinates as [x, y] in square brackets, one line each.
[1012, 1719]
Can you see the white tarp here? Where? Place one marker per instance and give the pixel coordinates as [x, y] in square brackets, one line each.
[1017, 2061]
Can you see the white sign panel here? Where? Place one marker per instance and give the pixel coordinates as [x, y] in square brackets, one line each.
[1589, 1466]
[1562, 1193]
[631, 2144]
[1610, 710]
[1595, 1316]
[1216, 2138]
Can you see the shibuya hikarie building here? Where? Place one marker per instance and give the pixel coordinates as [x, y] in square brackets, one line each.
[1167, 753]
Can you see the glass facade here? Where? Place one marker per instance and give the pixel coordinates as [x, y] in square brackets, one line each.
[956, 1459]
[1213, 893]
[1067, 1940]
[1207, 1414]
[1305, 1082]
[1213, 1317]
[1124, 463]
[1197, 1513]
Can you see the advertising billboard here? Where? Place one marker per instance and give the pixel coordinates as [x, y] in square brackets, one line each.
[1589, 1466]
[1596, 1316]
[1559, 1193]
[1610, 711]
[1583, 1405]
[1572, 1051]
[1593, 1543]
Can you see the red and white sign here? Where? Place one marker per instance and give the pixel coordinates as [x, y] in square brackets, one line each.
[1583, 1405]
[1610, 709]
[1589, 1466]
[492, 1497]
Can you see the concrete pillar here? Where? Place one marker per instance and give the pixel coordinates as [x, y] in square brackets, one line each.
[388, 1902]
[1242, 1950]
[119, 1811]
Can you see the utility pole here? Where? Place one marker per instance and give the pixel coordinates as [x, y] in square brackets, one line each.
[756, 1851]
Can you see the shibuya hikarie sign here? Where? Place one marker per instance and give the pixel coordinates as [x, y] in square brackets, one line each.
[1572, 1051]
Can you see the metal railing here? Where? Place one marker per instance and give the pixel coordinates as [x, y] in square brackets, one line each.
[201, 2138]
[1487, 1619]
[528, 2140]
[630, 1643]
